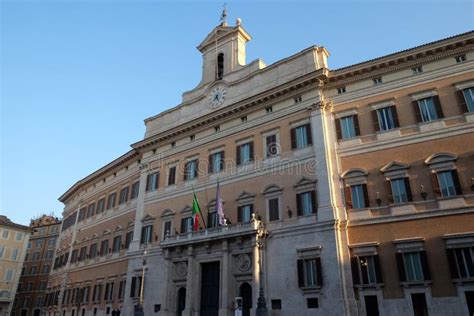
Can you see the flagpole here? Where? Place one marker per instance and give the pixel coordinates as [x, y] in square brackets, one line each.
[202, 216]
[207, 198]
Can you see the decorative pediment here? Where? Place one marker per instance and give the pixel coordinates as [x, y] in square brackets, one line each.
[167, 213]
[354, 173]
[219, 33]
[148, 218]
[118, 227]
[245, 195]
[95, 236]
[440, 158]
[304, 181]
[394, 166]
[106, 232]
[187, 209]
[272, 188]
[130, 224]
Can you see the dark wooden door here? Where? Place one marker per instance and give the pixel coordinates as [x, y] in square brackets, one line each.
[210, 289]
[181, 301]
[246, 294]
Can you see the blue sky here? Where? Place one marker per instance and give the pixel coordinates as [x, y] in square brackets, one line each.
[77, 78]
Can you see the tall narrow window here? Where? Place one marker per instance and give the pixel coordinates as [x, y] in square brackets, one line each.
[245, 153]
[428, 109]
[216, 162]
[466, 99]
[446, 183]
[306, 203]
[244, 213]
[146, 236]
[152, 181]
[191, 170]
[273, 209]
[123, 195]
[220, 66]
[172, 175]
[347, 127]
[385, 118]
[271, 146]
[301, 136]
[135, 188]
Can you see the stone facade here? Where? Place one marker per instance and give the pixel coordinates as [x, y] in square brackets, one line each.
[268, 136]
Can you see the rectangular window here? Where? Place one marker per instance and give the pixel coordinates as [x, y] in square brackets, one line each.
[377, 80]
[172, 175]
[366, 270]
[216, 162]
[93, 251]
[191, 170]
[33, 270]
[2, 251]
[15, 252]
[312, 302]
[117, 243]
[82, 254]
[341, 90]
[461, 262]
[152, 181]
[128, 239]
[19, 236]
[147, 233]
[91, 210]
[167, 229]
[460, 58]
[212, 219]
[45, 269]
[400, 189]
[428, 109]
[301, 136]
[358, 194]
[123, 195]
[82, 214]
[5, 234]
[446, 183]
[271, 145]
[306, 203]
[104, 247]
[417, 70]
[73, 256]
[347, 127]
[413, 268]
[244, 153]
[111, 200]
[273, 209]
[186, 224]
[309, 272]
[418, 301]
[121, 289]
[135, 287]
[9, 275]
[135, 189]
[468, 95]
[100, 205]
[109, 291]
[244, 213]
[387, 118]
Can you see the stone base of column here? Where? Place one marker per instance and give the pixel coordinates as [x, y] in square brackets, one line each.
[188, 312]
[223, 312]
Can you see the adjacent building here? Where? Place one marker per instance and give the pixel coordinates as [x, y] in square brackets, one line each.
[13, 243]
[38, 264]
[324, 177]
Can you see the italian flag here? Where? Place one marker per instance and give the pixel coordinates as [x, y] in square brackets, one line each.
[196, 211]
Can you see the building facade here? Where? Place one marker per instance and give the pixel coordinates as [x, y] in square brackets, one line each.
[13, 242]
[298, 183]
[37, 266]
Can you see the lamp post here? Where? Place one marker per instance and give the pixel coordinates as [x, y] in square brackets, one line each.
[139, 308]
[261, 302]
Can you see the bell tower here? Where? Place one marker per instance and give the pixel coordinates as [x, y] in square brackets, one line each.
[223, 50]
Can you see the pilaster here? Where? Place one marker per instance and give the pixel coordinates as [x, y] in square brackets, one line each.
[137, 228]
[189, 309]
[224, 308]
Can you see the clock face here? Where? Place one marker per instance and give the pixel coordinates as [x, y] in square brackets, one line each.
[217, 96]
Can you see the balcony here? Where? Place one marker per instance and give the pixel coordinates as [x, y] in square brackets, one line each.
[220, 232]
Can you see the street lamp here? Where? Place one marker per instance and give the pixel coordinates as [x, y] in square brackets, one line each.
[261, 302]
[139, 308]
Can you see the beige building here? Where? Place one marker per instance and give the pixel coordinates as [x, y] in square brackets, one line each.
[13, 242]
[300, 188]
[30, 296]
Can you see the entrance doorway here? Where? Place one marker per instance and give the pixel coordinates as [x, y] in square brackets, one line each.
[210, 289]
[470, 301]
[181, 301]
[245, 292]
[37, 312]
[371, 305]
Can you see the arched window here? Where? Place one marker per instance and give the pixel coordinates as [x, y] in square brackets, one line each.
[220, 66]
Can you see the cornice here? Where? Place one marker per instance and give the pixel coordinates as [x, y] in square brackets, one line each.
[401, 60]
[260, 100]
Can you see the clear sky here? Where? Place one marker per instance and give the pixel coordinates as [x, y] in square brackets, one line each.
[79, 77]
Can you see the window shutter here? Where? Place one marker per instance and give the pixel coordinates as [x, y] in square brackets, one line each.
[424, 265]
[196, 162]
[355, 118]
[148, 182]
[416, 108]
[251, 210]
[436, 188]
[355, 270]
[462, 101]
[338, 129]
[309, 137]
[366, 195]
[222, 160]
[183, 224]
[378, 272]
[408, 188]
[348, 197]
[457, 184]
[238, 155]
[388, 190]
[132, 288]
[185, 175]
[251, 151]
[210, 164]
[439, 110]
[396, 123]
[142, 237]
[300, 273]
[401, 267]
[299, 208]
[375, 120]
[453, 268]
[293, 138]
[239, 214]
[314, 205]
[319, 274]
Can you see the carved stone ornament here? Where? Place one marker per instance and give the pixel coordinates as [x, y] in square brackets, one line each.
[244, 262]
[181, 269]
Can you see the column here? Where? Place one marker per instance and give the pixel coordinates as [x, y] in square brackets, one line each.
[256, 277]
[188, 311]
[137, 229]
[225, 275]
